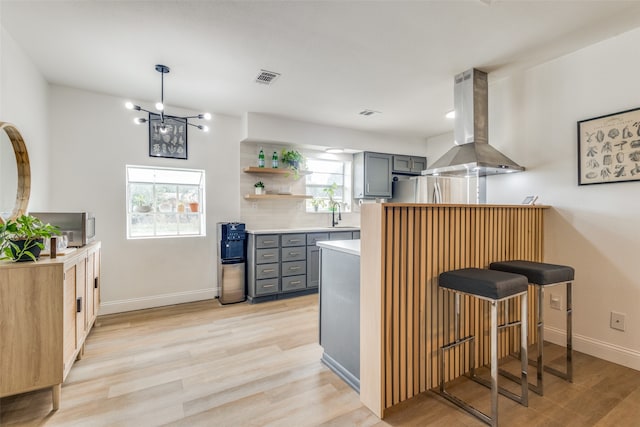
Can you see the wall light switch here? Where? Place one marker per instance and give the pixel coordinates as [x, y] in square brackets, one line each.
[556, 302]
[618, 321]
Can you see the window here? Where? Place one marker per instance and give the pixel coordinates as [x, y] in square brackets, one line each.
[325, 174]
[164, 202]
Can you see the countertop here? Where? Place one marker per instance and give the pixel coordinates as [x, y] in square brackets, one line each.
[347, 246]
[303, 230]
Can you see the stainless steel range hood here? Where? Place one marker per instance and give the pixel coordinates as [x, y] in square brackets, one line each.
[472, 154]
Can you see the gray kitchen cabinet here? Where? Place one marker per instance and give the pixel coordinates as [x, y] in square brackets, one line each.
[372, 175]
[286, 264]
[409, 165]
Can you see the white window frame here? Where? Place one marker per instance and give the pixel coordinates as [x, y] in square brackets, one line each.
[177, 210]
[345, 200]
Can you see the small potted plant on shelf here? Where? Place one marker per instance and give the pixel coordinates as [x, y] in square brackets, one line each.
[317, 203]
[259, 187]
[293, 160]
[22, 239]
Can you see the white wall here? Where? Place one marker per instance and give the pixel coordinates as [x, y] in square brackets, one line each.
[532, 118]
[92, 139]
[23, 102]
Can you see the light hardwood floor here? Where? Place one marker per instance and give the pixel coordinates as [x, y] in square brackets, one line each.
[201, 364]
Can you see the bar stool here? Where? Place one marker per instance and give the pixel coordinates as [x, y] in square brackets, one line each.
[491, 286]
[542, 275]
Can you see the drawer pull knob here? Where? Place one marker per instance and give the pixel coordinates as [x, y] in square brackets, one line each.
[295, 282]
[268, 255]
[79, 305]
[266, 242]
[268, 286]
[294, 268]
[293, 254]
[294, 240]
[271, 270]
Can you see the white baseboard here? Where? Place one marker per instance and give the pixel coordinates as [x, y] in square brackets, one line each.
[603, 350]
[119, 306]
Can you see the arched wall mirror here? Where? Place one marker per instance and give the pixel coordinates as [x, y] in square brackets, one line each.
[15, 173]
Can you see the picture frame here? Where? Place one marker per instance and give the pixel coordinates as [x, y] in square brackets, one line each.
[609, 148]
[173, 143]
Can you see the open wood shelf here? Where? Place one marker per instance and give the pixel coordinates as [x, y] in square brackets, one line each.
[276, 196]
[275, 171]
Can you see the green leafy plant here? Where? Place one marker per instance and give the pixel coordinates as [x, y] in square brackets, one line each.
[293, 160]
[317, 203]
[331, 192]
[259, 184]
[22, 239]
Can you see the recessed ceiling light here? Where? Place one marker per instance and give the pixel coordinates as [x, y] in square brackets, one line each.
[368, 112]
[334, 150]
[451, 114]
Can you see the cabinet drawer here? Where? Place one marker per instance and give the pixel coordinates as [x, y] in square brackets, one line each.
[312, 238]
[267, 241]
[293, 283]
[341, 235]
[293, 240]
[294, 267]
[293, 253]
[264, 256]
[267, 271]
[267, 286]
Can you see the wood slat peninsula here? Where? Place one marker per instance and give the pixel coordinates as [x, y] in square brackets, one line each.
[404, 317]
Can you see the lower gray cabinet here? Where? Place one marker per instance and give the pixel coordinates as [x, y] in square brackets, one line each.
[313, 266]
[285, 265]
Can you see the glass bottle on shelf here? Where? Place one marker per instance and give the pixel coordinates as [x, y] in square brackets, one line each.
[274, 160]
[261, 158]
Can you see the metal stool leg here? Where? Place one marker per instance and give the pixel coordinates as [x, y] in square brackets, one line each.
[568, 374]
[494, 363]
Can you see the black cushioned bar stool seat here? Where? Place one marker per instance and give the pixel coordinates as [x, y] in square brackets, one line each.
[541, 275]
[492, 286]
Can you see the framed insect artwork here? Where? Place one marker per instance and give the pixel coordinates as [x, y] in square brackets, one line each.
[609, 148]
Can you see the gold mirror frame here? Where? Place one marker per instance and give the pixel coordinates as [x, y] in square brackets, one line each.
[24, 170]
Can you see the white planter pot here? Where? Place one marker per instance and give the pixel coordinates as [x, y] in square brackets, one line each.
[259, 190]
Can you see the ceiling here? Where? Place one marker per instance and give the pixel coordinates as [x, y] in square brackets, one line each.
[336, 58]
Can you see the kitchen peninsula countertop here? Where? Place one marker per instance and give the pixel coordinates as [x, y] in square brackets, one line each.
[347, 246]
[302, 230]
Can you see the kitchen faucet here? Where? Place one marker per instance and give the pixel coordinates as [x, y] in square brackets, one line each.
[334, 222]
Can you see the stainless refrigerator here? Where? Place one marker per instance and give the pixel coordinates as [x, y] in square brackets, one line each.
[436, 189]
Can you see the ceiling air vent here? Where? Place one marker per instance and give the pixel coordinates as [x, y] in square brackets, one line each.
[267, 77]
[368, 112]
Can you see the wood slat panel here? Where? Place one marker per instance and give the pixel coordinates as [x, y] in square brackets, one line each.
[422, 241]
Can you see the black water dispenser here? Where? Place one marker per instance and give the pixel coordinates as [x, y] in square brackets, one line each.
[232, 252]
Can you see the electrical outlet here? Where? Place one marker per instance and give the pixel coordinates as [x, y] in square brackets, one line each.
[556, 302]
[618, 321]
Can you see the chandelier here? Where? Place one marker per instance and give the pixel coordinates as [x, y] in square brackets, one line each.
[163, 126]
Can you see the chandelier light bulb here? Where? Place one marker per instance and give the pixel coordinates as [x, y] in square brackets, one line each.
[159, 106]
[207, 116]
[139, 120]
[128, 105]
[205, 128]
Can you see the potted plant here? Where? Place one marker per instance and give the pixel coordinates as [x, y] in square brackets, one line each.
[331, 192]
[22, 239]
[140, 203]
[293, 160]
[259, 187]
[316, 203]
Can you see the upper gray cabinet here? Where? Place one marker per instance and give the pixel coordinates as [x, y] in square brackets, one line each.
[372, 175]
[409, 165]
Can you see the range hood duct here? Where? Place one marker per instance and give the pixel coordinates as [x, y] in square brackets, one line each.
[472, 154]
